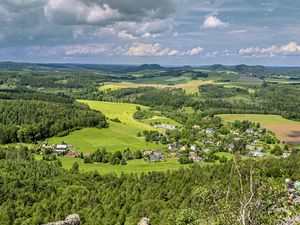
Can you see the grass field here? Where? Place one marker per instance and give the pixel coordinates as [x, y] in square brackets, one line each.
[117, 137]
[133, 166]
[161, 119]
[287, 130]
[190, 86]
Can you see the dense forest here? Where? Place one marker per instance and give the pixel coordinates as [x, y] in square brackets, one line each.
[248, 192]
[30, 116]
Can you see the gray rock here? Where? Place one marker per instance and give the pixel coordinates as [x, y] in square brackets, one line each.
[144, 221]
[73, 219]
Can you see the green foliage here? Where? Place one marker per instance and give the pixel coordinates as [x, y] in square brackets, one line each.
[37, 192]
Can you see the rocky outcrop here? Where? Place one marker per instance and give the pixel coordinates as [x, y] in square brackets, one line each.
[73, 219]
[144, 221]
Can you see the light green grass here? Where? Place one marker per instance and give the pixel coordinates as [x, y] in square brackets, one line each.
[117, 137]
[264, 120]
[133, 166]
[161, 119]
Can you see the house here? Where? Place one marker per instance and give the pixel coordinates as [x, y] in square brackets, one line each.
[285, 155]
[209, 130]
[250, 131]
[158, 152]
[197, 159]
[172, 155]
[60, 149]
[147, 152]
[258, 154]
[206, 150]
[165, 126]
[196, 126]
[194, 147]
[87, 155]
[250, 147]
[193, 155]
[72, 154]
[156, 158]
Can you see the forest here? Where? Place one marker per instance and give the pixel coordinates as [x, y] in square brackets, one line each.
[29, 116]
[249, 192]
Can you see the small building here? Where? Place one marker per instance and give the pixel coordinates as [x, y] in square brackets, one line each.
[194, 147]
[196, 126]
[173, 155]
[209, 130]
[197, 159]
[156, 158]
[87, 155]
[193, 155]
[72, 154]
[258, 154]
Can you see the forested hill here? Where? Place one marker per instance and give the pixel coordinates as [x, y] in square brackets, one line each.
[240, 192]
[30, 116]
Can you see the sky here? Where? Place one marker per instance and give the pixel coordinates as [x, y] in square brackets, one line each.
[167, 32]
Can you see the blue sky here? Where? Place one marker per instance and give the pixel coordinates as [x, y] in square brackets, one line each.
[168, 32]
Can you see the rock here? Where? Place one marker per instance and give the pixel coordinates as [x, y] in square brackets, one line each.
[144, 221]
[73, 219]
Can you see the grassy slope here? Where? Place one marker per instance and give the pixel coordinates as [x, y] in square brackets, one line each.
[264, 120]
[118, 136]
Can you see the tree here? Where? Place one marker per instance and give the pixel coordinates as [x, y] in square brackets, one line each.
[75, 167]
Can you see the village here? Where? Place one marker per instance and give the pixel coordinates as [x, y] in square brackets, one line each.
[245, 138]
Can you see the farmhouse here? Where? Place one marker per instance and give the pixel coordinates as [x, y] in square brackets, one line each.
[87, 155]
[156, 158]
[165, 126]
[61, 149]
[72, 154]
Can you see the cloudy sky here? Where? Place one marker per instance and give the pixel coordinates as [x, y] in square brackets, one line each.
[169, 32]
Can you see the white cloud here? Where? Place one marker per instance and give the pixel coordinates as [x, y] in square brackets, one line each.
[212, 21]
[157, 50]
[144, 50]
[77, 50]
[194, 51]
[291, 48]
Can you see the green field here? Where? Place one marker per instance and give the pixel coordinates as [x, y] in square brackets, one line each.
[133, 166]
[264, 120]
[117, 137]
[161, 119]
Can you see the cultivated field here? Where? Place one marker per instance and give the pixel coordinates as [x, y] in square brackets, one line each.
[287, 130]
[117, 137]
[190, 86]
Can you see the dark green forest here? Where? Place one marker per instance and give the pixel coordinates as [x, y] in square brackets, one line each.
[29, 117]
[35, 192]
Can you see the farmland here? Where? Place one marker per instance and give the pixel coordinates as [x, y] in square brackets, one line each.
[118, 136]
[190, 86]
[287, 130]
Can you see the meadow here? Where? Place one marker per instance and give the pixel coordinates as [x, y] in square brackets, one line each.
[286, 130]
[190, 87]
[117, 137]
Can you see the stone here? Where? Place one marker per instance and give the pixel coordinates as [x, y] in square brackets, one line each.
[144, 221]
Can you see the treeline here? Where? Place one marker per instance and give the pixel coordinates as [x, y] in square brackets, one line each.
[278, 99]
[31, 120]
[249, 192]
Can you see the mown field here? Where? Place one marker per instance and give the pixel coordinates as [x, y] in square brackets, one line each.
[190, 86]
[117, 137]
[287, 130]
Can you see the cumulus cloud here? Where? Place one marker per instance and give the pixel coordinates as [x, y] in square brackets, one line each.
[81, 50]
[157, 50]
[291, 48]
[212, 21]
[105, 12]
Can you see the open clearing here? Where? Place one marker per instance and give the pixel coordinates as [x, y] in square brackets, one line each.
[117, 137]
[287, 130]
[190, 87]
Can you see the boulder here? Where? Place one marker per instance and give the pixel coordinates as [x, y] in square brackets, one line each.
[73, 219]
[144, 221]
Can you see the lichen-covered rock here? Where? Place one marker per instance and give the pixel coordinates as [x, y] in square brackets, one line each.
[144, 221]
[73, 219]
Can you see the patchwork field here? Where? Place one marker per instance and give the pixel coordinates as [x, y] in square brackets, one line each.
[287, 130]
[118, 136]
[190, 86]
